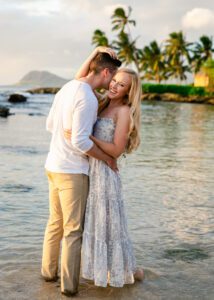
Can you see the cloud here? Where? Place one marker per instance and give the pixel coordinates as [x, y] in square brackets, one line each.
[32, 8]
[198, 18]
[41, 8]
[55, 35]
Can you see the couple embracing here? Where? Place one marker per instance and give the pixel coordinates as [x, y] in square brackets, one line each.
[86, 210]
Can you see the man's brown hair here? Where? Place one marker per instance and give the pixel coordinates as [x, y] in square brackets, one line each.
[104, 60]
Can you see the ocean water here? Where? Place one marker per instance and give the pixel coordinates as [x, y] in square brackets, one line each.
[169, 196]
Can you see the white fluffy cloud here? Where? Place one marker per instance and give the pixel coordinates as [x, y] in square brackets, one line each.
[198, 18]
[32, 8]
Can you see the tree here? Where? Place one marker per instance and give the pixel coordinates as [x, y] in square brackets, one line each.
[202, 51]
[174, 58]
[99, 38]
[177, 51]
[120, 20]
[123, 44]
[127, 51]
[153, 63]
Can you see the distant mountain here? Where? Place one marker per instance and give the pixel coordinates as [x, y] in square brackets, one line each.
[42, 79]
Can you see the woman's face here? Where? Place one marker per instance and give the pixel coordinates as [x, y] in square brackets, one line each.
[119, 86]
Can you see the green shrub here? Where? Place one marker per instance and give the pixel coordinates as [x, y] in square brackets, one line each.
[199, 91]
[183, 90]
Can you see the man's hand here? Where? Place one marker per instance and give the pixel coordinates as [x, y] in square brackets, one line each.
[112, 163]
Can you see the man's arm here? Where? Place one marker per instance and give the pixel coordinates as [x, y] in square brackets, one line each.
[97, 153]
[82, 125]
[50, 118]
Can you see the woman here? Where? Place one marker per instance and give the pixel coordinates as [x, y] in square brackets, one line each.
[107, 255]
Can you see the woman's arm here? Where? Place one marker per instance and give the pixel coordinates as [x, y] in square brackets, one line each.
[117, 147]
[84, 69]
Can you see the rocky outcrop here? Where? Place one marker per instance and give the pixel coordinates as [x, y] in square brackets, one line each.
[178, 98]
[17, 98]
[4, 111]
[42, 79]
[46, 90]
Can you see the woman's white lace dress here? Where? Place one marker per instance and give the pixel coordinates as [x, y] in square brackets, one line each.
[107, 255]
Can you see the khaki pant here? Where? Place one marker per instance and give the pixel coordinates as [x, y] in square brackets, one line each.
[67, 197]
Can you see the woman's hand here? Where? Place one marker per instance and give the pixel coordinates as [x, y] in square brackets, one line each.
[67, 134]
[92, 138]
[102, 49]
[84, 69]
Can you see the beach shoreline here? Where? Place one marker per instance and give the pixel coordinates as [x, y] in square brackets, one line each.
[165, 97]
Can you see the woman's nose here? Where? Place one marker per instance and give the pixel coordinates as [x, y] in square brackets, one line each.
[114, 85]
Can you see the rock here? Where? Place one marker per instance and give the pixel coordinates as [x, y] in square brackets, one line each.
[151, 96]
[4, 111]
[172, 97]
[47, 90]
[17, 98]
[210, 101]
[36, 114]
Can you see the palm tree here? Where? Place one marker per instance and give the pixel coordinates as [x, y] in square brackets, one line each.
[126, 46]
[123, 44]
[120, 20]
[153, 63]
[99, 38]
[126, 49]
[177, 47]
[202, 52]
[179, 71]
[177, 51]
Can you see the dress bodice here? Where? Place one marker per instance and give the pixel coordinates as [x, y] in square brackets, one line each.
[104, 129]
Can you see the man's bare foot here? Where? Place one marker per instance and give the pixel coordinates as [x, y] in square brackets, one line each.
[139, 275]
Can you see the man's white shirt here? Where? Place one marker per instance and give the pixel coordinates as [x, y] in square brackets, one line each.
[75, 108]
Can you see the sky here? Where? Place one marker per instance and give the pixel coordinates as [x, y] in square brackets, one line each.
[55, 35]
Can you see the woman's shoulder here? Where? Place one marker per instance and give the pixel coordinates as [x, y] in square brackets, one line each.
[123, 110]
[123, 113]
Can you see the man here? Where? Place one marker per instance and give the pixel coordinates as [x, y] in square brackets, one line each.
[75, 107]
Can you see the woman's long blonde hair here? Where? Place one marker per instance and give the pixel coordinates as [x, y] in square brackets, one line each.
[133, 100]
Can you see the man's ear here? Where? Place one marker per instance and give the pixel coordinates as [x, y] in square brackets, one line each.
[105, 72]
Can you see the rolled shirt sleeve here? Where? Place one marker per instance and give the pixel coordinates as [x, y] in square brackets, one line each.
[84, 116]
[50, 118]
